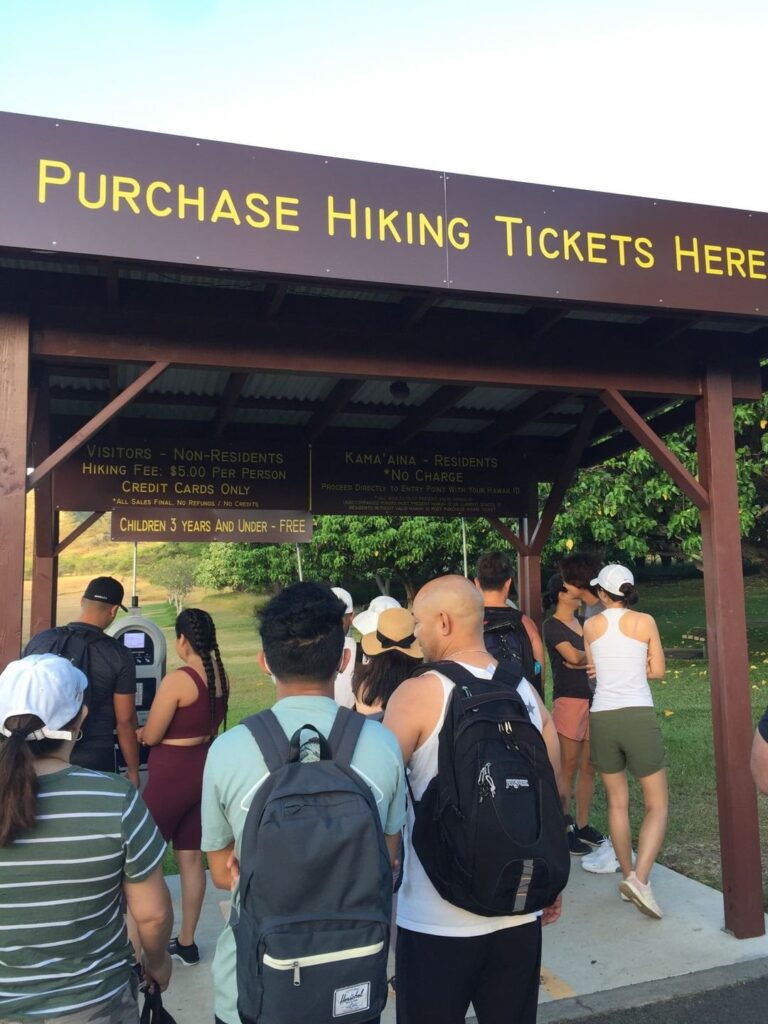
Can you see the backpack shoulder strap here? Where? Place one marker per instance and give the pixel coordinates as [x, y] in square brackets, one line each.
[455, 672]
[344, 735]
[272, 741]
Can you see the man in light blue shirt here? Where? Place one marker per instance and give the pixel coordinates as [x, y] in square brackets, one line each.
[303, 648]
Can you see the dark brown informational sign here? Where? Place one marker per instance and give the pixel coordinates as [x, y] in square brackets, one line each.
[183, 524]
[379, 481]
[130, 475]
[111, 192]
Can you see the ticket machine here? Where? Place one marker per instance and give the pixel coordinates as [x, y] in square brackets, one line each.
[145, 642]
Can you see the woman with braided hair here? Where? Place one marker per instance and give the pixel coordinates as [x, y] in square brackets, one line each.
[185, 716]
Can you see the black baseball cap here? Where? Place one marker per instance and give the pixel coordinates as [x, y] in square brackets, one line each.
[105, 589]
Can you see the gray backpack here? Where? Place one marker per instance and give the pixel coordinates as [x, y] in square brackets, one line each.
[312, 926]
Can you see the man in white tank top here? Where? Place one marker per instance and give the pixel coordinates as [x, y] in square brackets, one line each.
[447, 957]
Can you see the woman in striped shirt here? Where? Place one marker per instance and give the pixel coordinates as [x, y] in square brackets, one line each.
[74, 845]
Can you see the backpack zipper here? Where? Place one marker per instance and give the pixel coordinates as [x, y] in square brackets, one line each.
[485, 782]
[317, 959]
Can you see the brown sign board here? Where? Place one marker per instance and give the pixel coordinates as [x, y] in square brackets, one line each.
[128, 475]
[347, 481]
[183, 524]
[99, 191]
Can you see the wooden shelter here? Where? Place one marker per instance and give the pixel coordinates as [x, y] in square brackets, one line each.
[557, 328]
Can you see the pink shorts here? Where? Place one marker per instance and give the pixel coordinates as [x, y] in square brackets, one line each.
[571, 718]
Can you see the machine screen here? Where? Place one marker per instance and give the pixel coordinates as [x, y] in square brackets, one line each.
[135, 641]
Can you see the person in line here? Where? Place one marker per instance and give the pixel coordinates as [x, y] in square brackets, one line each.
[342, 688]
[391, 652]
[302, 648]
[447, 957]
[73, 844]
[510, 635]
[111, 672]
[759, 757]
[623, 652]
[572, 694]
[186, 714]
[577, 570]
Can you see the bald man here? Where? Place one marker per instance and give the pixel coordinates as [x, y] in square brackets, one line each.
[448, 957]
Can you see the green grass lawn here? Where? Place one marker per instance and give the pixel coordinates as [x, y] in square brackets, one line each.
[682, 701]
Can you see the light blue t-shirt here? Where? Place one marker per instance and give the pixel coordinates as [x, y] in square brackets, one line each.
[235, 770]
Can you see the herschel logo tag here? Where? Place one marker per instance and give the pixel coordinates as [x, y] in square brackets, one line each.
[352, 999]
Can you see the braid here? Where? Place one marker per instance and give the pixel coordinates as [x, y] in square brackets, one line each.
[198, 627]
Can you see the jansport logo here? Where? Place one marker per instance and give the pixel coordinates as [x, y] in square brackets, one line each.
[518, 784]
[351, 999]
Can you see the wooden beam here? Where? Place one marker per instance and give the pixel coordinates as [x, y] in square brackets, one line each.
[651, 441]
[387, 355]
[14, 400]
[232, 391]
[340, 394]
[46, 519]
[78, 532]
[564, 478]
[665, 423]
[274, 296]
[729, 659]
[415, 308]
[509, 535]
[438, 403]
[528, 411]
[94, 425]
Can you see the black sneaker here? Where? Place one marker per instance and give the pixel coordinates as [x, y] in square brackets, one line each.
[575, 845]
[188, 955]
[591, 836]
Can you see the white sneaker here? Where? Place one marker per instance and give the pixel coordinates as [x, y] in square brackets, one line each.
[602, 861]
[641, 895]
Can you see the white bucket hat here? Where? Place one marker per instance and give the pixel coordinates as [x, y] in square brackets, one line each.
[365, 622]
[47, 686]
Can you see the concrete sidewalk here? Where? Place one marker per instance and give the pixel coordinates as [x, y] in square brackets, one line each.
[600, 944]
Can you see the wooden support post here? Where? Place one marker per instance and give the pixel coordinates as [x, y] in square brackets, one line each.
[45, 564]
[14, 398]
[728, 658]
[529, 564]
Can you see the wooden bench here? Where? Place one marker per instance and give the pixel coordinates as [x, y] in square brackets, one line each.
[697, 635]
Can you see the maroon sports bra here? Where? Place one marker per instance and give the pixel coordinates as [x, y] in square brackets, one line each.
[195, 720]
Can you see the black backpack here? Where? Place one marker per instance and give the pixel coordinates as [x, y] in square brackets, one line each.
[68, 642]
[312, 926]
[506, 638]
[489, 829]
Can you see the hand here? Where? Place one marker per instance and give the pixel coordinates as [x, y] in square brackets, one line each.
[550, 914]
[132, 774]
[234, 869]
[140, 735]
[591, 671]
[157, 976]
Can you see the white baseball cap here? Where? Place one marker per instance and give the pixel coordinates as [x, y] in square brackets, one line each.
[346, 597]
[366, 621]
[612, 578]
[47, 686]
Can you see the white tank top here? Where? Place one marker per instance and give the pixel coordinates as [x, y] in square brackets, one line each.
[621, 664]
[419, 906]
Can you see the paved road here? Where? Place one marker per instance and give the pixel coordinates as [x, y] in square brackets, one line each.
[746, 1003]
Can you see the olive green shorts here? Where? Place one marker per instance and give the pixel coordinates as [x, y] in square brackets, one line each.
[626, 738]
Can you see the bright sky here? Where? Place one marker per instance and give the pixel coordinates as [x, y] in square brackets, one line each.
[662, 98]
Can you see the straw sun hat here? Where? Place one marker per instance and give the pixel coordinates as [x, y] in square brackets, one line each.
[394, 632]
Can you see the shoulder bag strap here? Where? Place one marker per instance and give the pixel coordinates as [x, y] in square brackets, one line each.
[272, 741]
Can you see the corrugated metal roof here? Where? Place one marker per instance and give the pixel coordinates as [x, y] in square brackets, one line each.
[378, 391]
[361, 421]
[288, 385]
[493, 398]
[96, 385]
[189, 382]
[447, 425]
[356, 294]
[606, 316]
[274, 417]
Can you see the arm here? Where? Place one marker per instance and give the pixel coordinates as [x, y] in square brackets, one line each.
[223, 867]
[759, 759]
[393, 849]
[414, 704]
[572, 657]
[656, 662]
[590, 664]
[536, 644]
[149, 903]
[125, 725]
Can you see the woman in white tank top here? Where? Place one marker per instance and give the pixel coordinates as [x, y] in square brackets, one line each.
[624, 651]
